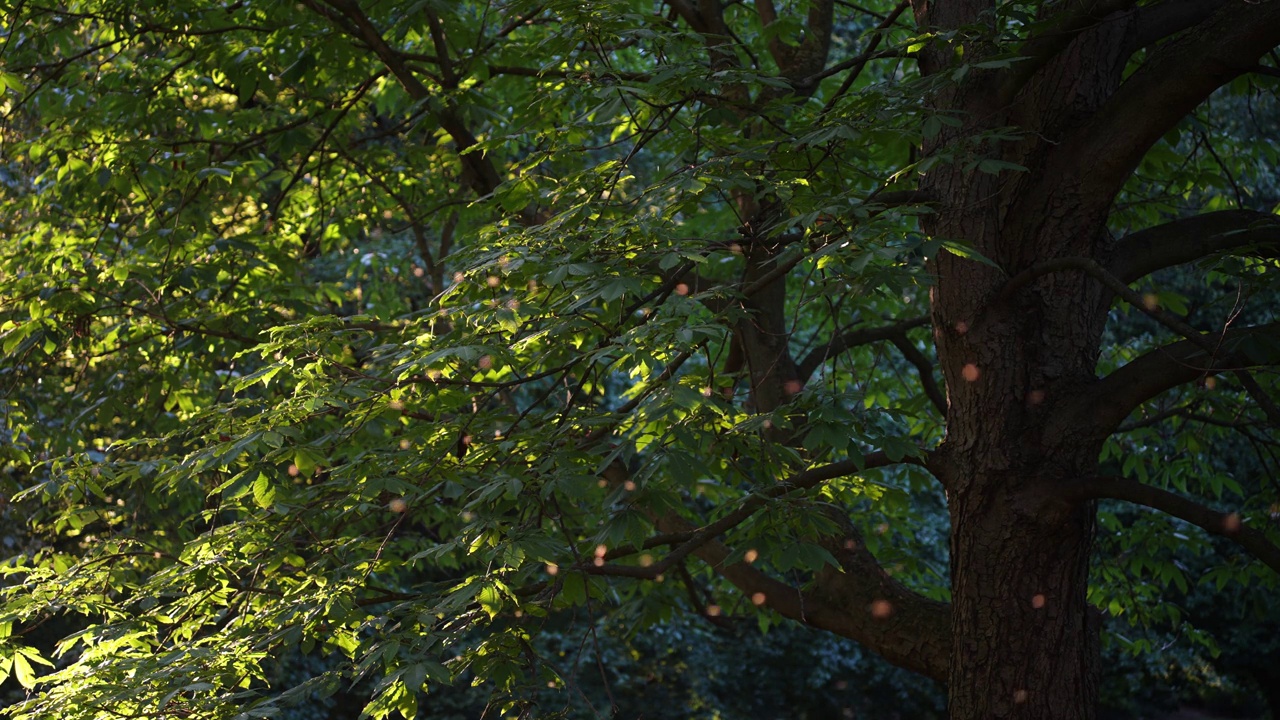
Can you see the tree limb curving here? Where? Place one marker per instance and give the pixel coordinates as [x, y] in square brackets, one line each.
[1190, 239]
[1177, 76]
[1228, 525]
[1108, 402]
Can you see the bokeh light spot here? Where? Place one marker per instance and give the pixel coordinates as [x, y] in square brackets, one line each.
[1231, 523]
[970, 372]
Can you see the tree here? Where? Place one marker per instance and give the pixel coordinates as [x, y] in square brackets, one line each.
[399, 333]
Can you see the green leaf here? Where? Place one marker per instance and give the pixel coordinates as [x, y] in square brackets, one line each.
[264, 494]
[964, 251]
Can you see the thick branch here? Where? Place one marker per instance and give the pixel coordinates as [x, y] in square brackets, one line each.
[1052, 38]
[1157, 22]
[1177, 76]
[1114, 285]
[1193, 238]
[860, 601]
[690, 14]
[1255, 391]
[1112, 399]
[1228, 525]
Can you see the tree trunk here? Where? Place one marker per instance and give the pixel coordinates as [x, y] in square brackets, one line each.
[1024, 643]
[1024, 638]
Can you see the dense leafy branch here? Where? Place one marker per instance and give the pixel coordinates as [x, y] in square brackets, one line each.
[394, 341]
[694, 538]
[349, 17]
[859, 601]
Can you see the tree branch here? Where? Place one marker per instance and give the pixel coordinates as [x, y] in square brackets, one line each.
[1255, 391]
[859, 601]
[925, 368]
[1114, 284]
[799, 63]
[1157, 22]
[1177, 76]
[1108, 402]
[1157, 418]
[1265, 70]
[1228, 525]
[1193, 238]
[1052, 37]
[852, 339]
[686, 10]
[697, 537]
[857, 64]
[348, 16]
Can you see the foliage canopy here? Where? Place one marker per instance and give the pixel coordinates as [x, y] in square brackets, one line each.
[396, 334]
